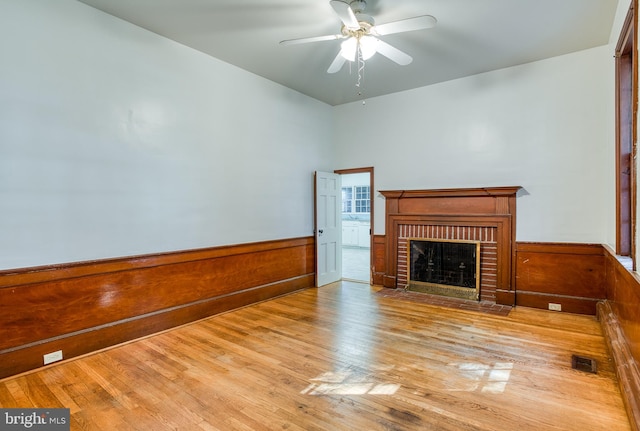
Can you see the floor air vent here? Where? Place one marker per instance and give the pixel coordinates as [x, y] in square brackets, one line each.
[583, 363]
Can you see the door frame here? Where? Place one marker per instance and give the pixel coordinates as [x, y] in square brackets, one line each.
[371, 200]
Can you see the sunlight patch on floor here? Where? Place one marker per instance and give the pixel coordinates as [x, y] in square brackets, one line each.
[483, 378]
[347, 383]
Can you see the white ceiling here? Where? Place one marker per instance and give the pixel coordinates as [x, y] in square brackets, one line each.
[472, 36]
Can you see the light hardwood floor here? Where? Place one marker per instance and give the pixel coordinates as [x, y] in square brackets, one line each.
[341, 358]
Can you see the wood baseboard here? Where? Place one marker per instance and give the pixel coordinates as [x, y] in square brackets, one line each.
[568, 304]
[505, 297]
[626, 367]
[84, 307]
[388, 281]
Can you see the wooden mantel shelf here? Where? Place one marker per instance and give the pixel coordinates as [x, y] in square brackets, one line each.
[466, 192]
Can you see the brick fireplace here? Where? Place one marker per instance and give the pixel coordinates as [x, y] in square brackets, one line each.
[486, 215]
[433, 275]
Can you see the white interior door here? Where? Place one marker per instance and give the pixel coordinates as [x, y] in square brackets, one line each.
[328, 228]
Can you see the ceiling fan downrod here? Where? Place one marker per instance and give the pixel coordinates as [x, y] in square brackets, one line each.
[358, 6]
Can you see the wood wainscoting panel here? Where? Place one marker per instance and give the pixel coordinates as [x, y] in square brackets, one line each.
[83, 307]
[379, 268]
[625, 364]
[623, 293]
[572, 275]
[620, 317]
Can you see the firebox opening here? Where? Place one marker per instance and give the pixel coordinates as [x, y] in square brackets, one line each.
[444, 267]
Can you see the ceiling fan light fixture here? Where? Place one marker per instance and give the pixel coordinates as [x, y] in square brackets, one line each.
[349, 48]
[366, 44]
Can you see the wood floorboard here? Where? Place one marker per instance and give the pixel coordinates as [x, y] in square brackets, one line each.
[341, 357]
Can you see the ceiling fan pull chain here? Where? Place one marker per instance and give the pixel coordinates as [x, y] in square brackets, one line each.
[360, 66]
[360, 60]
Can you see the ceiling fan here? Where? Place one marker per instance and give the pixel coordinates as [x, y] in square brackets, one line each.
[359, 31]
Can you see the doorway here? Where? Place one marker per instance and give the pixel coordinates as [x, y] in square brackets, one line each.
[357, 217]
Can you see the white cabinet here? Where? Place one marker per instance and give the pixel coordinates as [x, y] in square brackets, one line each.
[355, 234]
[350, 233]
[363, 236]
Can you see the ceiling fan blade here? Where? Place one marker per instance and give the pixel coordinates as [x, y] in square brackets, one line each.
[393, 54]
[409, 24]
[345, 13]
[337, 63]
[311, 39]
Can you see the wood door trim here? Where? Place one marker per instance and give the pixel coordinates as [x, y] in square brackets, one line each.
[372, 203]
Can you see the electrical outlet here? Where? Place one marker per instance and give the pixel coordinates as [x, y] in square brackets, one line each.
[555, 307]
[53, 357]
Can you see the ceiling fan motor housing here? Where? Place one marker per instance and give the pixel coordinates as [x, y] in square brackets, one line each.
[358, 6]
[365, 20]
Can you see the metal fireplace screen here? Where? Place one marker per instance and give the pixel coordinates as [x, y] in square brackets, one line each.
[444, 267]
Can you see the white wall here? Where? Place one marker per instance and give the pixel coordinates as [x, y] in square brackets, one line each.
[547, 126]
[115, 141]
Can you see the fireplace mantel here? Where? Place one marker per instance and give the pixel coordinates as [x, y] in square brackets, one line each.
[442, 212]
[433, 193]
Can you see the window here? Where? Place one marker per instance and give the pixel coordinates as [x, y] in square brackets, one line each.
[363, 204]
[347, 199]
[626, 111]
[355, 200]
